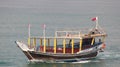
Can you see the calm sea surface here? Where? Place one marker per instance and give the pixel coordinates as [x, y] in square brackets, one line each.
[15, 15]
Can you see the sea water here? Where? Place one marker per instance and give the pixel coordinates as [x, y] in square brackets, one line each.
[15, 15]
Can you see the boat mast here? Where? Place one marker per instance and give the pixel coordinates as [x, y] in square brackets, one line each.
[29, 35]
[44, 30]
[97, 26]
[29, 30]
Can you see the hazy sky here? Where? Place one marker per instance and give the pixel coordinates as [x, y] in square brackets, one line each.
[66, 6]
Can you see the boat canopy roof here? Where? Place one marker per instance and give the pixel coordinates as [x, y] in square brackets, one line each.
[77, 34]
[80, 33]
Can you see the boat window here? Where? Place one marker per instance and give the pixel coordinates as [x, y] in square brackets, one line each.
[87, 41]
[98, 39]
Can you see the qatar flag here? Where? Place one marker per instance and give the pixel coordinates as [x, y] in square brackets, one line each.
[94, 19]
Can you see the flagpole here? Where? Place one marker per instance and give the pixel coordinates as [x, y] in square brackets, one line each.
[96, 23]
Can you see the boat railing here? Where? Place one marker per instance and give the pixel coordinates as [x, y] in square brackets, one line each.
[67, 34]
[80, 33]
[44, 43]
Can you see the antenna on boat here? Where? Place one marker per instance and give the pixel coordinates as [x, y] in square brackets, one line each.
[44, 30]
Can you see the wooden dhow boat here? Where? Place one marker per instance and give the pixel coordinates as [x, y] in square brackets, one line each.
[65, 46]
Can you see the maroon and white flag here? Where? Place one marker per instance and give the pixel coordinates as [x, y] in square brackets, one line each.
[94, 19]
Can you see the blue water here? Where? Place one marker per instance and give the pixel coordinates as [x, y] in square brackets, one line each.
[15, 15]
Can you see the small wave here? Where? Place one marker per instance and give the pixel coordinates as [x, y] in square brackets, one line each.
[97, 59]
[109, 55]
[85, 61]
[78, 61]
[3, 63]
